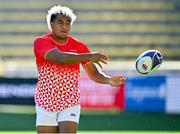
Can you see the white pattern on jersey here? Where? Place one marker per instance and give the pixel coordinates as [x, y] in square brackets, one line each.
[57, 87]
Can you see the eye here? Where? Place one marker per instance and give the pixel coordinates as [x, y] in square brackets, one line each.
[59, 22]
[68, 22]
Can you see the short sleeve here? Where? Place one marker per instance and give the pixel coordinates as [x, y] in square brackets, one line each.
[84, 49]
[42, 47]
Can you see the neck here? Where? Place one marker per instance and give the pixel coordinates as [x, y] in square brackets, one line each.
[58, 39]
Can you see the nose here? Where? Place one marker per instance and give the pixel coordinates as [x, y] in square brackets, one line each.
[64, 27]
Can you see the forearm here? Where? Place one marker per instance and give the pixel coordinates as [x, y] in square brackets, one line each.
[100, 77]
[111, 80]
[58, 57]
[72, 58]
[96, 74]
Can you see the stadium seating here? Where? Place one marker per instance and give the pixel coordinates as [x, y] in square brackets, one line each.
[123, 28]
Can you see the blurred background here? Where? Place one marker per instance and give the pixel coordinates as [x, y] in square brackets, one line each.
[123, 29]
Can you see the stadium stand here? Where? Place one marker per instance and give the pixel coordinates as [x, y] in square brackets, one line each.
[123, 28]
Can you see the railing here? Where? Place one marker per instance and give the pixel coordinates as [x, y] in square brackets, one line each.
[123, 28]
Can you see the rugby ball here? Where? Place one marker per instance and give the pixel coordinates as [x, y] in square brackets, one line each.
[149, 61]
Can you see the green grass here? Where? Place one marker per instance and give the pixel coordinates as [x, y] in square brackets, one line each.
[95, 132]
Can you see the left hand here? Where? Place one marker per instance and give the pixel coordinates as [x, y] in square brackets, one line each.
[117, 80]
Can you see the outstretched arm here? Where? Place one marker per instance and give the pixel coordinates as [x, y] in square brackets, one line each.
[60, 57]
[98, 76]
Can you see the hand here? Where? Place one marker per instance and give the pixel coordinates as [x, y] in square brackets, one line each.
[98, 58]
[117, 80]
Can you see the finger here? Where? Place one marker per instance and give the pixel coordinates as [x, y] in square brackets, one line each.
[99, 64]
[122, 77]
[102, 51]
[123, 81]
[105, 56]
[103, 61]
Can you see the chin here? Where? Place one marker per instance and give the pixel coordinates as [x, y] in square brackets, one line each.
[62, 37]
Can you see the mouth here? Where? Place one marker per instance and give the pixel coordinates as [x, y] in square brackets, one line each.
[63, 32]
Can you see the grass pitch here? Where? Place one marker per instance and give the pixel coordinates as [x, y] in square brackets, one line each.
[97, 132]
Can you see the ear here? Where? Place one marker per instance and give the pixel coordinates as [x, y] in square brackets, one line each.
[51, 23]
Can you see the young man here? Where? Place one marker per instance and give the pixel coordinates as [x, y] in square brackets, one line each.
[58, 58]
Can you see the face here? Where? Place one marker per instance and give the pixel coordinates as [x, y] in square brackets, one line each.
[61, 26]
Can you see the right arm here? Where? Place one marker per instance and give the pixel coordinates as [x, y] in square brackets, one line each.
[59, 57]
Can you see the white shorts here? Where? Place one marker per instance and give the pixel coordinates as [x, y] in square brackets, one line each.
[46, 118]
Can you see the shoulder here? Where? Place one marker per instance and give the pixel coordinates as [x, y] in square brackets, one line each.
[42, 38]
[79, 45]
[76, 41]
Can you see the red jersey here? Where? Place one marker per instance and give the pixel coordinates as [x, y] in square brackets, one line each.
[57, 86]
